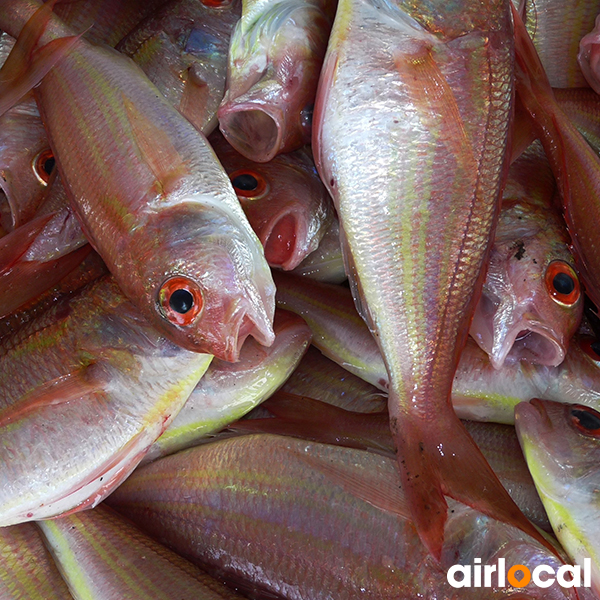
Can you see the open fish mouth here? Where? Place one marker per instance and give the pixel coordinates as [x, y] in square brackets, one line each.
[534, 344]
[254, 131]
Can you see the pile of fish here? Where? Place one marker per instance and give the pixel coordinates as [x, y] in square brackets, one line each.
[298, 300]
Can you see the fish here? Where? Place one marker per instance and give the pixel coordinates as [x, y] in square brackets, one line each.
[27, 571]
[227, 391]
[532, 302]
[556, 29]
[305, 520]
[561, 446]
[338, 331]
[85, 389]
[154, 201]
[416, 180]
[326, 263]
[102, 555]
[319, 377]
[275, 56]
[582, 106]
[26, 161]
[182, 48]
[574, 163]
[310, 419]
[284, 200]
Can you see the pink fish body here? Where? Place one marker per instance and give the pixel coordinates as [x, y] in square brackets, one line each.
[416, 178]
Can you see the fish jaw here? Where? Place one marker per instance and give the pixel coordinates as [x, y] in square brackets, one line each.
[267, 108]
[564, 465]
[222, 259]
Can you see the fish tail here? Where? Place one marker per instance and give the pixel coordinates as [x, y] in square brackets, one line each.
[435, 463]
[27, 65]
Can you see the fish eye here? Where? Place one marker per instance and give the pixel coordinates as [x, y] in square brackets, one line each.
[180, 300]
[562, 283]
[43, 166]
[248, 184]
[585, 419]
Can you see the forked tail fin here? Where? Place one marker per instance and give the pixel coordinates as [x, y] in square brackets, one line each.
[445, 461]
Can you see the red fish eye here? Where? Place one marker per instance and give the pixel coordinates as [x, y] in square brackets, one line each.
[562, 283]
[43, 165]
[585, 419]
[591, 347]
[248, 184]
[181, 300]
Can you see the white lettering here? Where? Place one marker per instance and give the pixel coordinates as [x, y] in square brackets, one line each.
[466, 579]
[537, 580]
[487, 577]
[587, 572]
[501, 572]
[575, 580]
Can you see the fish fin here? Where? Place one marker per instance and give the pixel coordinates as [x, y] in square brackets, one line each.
[437, 103]
[15, 244]
[28, 279]
[26, 66]
[156, 148]
[383, 493]
[194, 99]
[61, 390]
[306, 418]
[434, 463]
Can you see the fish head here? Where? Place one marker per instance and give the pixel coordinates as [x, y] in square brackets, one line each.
[217, 291]
[272, 80]
[531, 303]
[561, 443]
[285, 201]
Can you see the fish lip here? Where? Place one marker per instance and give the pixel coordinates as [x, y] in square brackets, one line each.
[535, 414]
[553, 354]
[239, 120]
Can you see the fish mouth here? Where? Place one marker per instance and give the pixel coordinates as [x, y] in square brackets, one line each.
[280, 243]
[255, 132]
[535, 344]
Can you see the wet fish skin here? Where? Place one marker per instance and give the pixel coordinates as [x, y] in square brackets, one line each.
[27, 571]
[85, 389]
[182, 48]
[556, 29]
[102, 556]
[326, 263]
[143, 198]
[275, 56]
[289, 208]
[310, 419]
[561, 446]
[521, 315]
[227, 391]
[319, 377]
[416, 180]
[574, 163]
[240, 514]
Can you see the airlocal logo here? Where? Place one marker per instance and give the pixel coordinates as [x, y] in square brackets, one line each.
[519, 576]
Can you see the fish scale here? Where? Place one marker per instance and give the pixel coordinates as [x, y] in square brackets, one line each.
[412, 118]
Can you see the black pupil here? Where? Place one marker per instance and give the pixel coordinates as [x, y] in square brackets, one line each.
[245, 182]
[596, 347]
[587, 420]
[563, 283]
[181, 301]
[48, 165]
